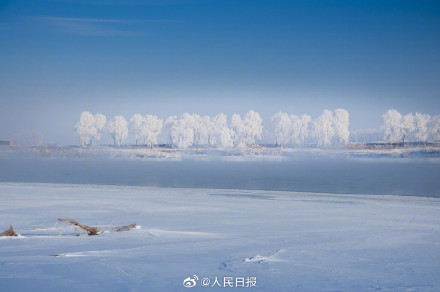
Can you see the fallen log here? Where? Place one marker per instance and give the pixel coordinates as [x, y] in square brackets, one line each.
[9, 232]
[96, 230]
[90, 230]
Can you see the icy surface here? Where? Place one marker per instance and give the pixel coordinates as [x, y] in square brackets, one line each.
[305, 171]
[289, 241]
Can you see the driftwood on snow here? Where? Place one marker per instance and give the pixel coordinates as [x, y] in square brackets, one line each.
[124, 228]
[9, 232]
[91, 230]
[96, 230]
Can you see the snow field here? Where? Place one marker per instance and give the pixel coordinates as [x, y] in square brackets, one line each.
[288, 241]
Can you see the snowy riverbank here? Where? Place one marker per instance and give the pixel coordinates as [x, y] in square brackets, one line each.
[288, 241]
[257, 152]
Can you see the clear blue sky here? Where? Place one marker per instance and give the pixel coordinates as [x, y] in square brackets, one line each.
[59, 57]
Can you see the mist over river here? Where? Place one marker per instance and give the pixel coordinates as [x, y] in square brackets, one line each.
[308, 173]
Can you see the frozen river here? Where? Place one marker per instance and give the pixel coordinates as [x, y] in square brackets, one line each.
[295, 223]
[324, 174]
[286, 241]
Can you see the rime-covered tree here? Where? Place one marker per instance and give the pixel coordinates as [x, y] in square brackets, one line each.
[222, 134]
[195, 122]
[435, 128]
[340, 125]
[182, 132]
[209, 130]
[421, 127]
[305, 128]
[407, 127]
[295, 129]
[237, 128]
[252, 127]
[151, 128]
[89, 127]
[169, 122]
[190, 123]
[118, 129]
[100, 121]
[225, 137]
[392, 126]
[281, 124]
[299, 128]
[136, 126]
[146, 129]
[323, 128]
[86, 128]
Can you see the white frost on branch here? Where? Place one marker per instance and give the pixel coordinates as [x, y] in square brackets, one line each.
[245, 131]
[421, 127]
[146, 129]
[89, 127]
[195, 122]
[282, 127]
[340, 123]
[100, 121]
[392, 126]
[222, 133]
[182, 133]
[169, 122]
[151, 128]
[192, 130]
[435, 128]
[330, 127]
[237, 128]
[252, 127]
[408, 127]
[136, 126]
[118, 129]
[305, 128]
[209, 132]
[323, 128]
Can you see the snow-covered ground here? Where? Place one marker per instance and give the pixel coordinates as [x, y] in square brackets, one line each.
[289, 241]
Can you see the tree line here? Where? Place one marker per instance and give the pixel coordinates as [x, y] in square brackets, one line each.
[193, 130]
[411, 127]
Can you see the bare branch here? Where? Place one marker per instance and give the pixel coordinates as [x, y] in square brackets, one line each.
[91, 230]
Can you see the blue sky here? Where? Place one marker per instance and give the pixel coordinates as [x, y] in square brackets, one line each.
[59, 57]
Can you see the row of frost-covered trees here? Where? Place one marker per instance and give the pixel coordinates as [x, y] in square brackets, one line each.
[193, 130]
[331, 127]
[416, 127]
